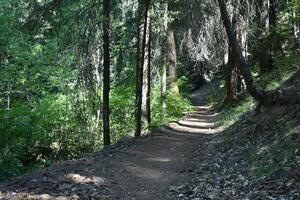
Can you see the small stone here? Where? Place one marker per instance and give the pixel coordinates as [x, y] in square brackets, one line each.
[61, 198]
[181, 195]
[31, 197]
[44, 197]
[16, 197]
[75, 197]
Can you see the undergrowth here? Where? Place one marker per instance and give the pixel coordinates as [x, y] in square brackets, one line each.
[285, 67]
[268, 141]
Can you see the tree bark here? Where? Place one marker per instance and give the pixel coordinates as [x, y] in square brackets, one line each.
[231, 72]
[148, 99]
[106, 72]
[265, 56]
[171, 54]
[146, 118]
[141, 22]
[164, 90]
[272, 14]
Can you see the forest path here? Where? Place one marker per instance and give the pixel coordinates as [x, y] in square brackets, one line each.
[151, 167]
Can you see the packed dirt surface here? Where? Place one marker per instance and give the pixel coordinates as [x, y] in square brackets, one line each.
[150, 167]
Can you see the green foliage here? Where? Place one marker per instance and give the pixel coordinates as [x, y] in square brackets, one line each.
[122, 112]
[176, 105]
[184, 85]
[285, 68]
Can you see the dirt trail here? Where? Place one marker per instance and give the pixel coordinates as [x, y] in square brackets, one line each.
[146, 168]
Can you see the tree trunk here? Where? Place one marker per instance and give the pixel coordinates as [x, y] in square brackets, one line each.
[232, 79]
[296, 24]
[164, 90]
[171, 55]
[106, 73]
[146, 76]
[148, 101]
[272, 14]
[141, 22]
[265, 57]
[231, 72]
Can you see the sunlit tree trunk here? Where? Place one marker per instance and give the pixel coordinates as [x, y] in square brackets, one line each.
[164, 90]
[9, 88]
[146, 118]
[296, 23]
[171, 54]
[141, 44]
[148, 101]
[106, 72]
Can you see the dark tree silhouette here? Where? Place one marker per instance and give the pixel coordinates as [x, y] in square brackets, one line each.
[106, 72]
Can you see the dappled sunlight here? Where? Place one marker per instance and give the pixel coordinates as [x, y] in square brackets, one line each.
[200, 121]
[184, 129]
[77, 178]
[196, 124]
[159, 159]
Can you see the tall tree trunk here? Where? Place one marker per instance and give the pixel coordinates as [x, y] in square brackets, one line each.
[106, 72]
[232, 79]
[146, 75]
[272, 14]
[231, 72]
[148, 99]
[141, 43]
[171, 54]
[266, 49]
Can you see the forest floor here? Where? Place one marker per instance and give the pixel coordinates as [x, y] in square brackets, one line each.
[188, 159]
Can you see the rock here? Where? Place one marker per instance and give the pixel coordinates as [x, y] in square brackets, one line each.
[75, 197]
[31, 197]
[16, 197]
[61, 198]
[181, 195]
[44, 197]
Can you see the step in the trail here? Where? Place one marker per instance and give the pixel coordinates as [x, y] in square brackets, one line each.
[197, 124]
[185, 129]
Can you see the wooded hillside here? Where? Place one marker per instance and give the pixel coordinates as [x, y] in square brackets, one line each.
[80, 75]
